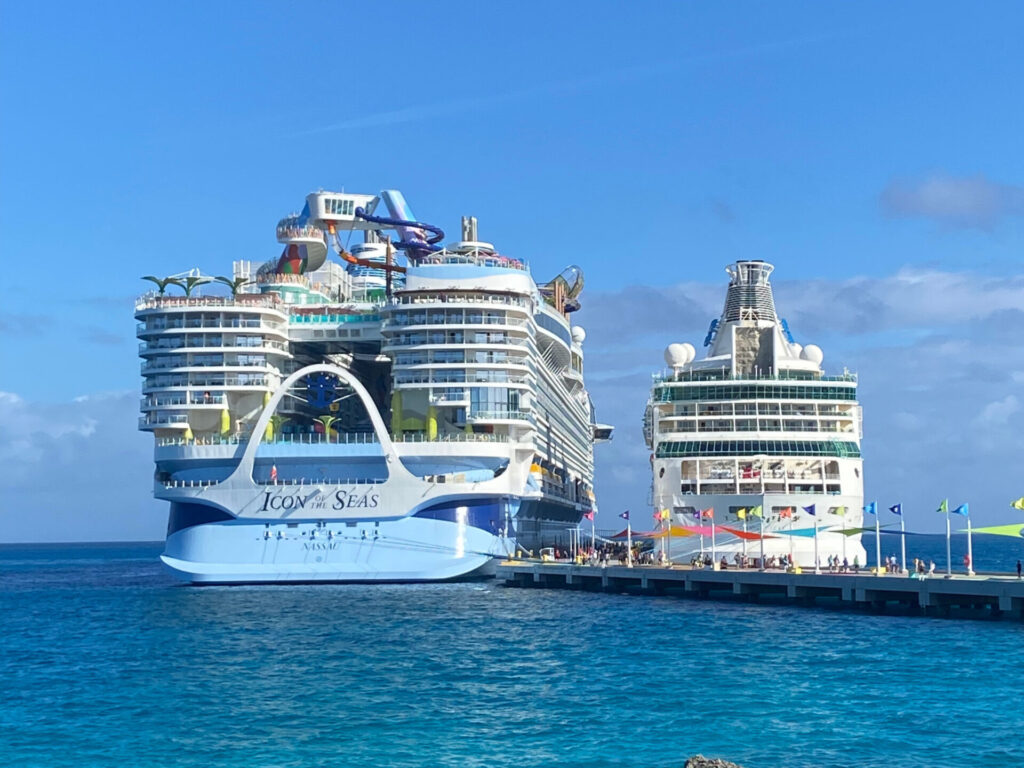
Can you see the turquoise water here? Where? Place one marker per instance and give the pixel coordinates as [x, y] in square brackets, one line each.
[103, 661]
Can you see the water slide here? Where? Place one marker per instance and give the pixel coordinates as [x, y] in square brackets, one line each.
[564, 289]
[305, 239]
[413, 234]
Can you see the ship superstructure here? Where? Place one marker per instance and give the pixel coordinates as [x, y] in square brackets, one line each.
[409, 412]
[756, 433]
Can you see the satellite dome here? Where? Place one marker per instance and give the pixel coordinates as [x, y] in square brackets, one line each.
[678, 355]
[578, 334]
[813, 353]
[797, 349]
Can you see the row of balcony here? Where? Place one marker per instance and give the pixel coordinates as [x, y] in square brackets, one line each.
[216, 342]
[448, 318]
[345, 438]
[455, 299]
[764, 425]
[184, 399]
[199, 381]
[169, 363]
[158, 324]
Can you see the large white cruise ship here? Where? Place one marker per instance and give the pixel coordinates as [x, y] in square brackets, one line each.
[756, 426]
[409, 413]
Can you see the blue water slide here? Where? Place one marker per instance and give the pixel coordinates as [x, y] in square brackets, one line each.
[414, 234]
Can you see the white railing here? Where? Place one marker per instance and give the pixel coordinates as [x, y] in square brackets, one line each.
[242, 300]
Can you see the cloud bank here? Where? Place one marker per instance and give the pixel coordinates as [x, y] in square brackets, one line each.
[967, 202]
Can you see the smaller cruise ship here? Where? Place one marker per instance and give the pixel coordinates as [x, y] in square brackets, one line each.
[755, 433]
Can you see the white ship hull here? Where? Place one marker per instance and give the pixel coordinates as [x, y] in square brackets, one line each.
[406, 550]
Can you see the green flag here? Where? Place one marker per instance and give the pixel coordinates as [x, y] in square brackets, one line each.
[944, 506]
[1018, 504]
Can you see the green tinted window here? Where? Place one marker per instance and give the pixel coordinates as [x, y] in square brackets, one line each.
[696, 448]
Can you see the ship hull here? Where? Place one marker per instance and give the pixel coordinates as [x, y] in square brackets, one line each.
[407, 550]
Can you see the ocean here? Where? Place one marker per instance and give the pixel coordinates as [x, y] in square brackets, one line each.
[105, 661]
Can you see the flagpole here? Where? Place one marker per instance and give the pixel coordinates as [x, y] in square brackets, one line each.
[593, 534]
[761, 518]
[903, 543]
[791, 536]
[744, 537]
[878, 546]
[949, 555]
[714, 552]
[629, 543]
[817, 562]
[669, 537]
[970, 553]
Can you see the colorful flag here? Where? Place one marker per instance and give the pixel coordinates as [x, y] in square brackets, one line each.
[786, 512]
[896, 509]
[588, 515]
[840, 511]
[273, 473]
[944, 506]
[625, 515]
[1018, 504]
[666, 514]
[810, 510]
[872, 508]
[707, 513]
[756, 511]
[741, 513]
[962, 510]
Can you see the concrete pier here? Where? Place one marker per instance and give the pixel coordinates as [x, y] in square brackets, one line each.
[982, 596]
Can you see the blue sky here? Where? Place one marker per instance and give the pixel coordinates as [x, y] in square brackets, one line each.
[870, 150]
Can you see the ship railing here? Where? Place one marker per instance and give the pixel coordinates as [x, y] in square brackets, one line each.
[162, 420]
[170, 346]
[499, 415]
[154, 300]
[188, 483]
[301, 438]
[299, 319]
[459, 299]
[457, 437]
[286, 230]
[474, 257]
[313, 481]
[411, 322]
[276, 278]
[673, 377]
[160, 402]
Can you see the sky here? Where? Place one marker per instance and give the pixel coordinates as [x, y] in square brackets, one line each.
[871, 151]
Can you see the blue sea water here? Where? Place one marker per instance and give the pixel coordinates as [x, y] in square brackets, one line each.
[104, 662]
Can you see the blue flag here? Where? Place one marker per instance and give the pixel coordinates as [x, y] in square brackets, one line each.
[962, 510]
[896, 509]
[810, 510]
[625, 515]
[872, 508]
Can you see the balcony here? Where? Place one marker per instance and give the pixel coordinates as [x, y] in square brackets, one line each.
[498, 416]
[164, 420]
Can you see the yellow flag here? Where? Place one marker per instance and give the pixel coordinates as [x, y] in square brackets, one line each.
[840, 510]
[665, 514]
[1018, 504]
[741, 513]
[756, 511]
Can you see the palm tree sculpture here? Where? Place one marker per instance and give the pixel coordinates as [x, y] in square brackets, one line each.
[234, 284]
[192, 282]
[276, 422]
[162, 283]
[327, 420]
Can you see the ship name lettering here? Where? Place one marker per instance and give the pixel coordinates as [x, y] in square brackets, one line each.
[349, 500]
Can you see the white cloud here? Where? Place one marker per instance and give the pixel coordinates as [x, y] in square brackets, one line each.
[76, 471]
[974, 202]
[997, 412]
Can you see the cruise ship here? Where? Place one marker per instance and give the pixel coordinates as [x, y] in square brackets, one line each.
[756, 434]
[406, 411]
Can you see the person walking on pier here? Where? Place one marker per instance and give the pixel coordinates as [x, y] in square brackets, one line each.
[1018, 569]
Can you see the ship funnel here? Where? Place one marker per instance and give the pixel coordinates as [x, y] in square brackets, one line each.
[750, 294]
[469, 229]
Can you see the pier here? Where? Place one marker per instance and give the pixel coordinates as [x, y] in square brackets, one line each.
[983, 596]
